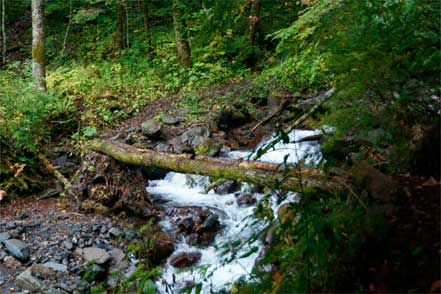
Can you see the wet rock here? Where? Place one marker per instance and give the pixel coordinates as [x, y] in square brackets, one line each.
[245, 200]
[56, 266]
[11, 262]
[18, 249]
[170, 120]
[27, 282]
[184, 259]
[152, 129]
[210, 222]
[100, 256]
[227, 187]
[4, 236]
[163, 147]
[163, 247]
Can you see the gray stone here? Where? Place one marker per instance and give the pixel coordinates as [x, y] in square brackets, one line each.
[115, 232]
[56, 266]
[18, 249]
[27, 282]
[130, 235]
[170, 120]
[4, 236]
[68, 244]
[152, 129]
[119, 260]
[100, 256]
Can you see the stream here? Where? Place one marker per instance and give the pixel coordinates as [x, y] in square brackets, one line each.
[234, 221]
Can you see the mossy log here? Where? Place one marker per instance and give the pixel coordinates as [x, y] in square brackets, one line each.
[263, 174]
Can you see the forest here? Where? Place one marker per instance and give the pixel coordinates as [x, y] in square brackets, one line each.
[220, 146]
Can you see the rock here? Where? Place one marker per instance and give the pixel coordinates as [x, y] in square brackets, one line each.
[11, 262]
[27, 282]
[185, 259]
[130, 235]
[227, 187]
[163, 247]
[100, 256]
[4, 236]
[230, 117]
[163, 147]
[245, 199]
[43, 272]
[18, 249]
[380, 186]
[119, 260]
[115, 232]
[170, 120]
[56, 266]
[152, 129]
[211, 221]
[207, 146]
[68, 244]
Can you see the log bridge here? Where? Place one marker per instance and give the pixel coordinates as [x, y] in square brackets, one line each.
[259, 173]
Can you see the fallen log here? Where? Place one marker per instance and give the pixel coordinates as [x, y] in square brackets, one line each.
[263, 174]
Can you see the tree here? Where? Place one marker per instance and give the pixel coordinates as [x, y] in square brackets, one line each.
[38, 51]
[183, 47]
[3, 32]
[253, 19]
[120, 27]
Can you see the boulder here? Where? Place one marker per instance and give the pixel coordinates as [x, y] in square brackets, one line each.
[245, 200]
[27, 282]
[227, 187]
[18, 249]
[207, 146]
[100, 256]
[185, 259]
[152, 129]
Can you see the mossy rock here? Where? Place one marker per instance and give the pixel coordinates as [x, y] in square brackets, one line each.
[208, 147]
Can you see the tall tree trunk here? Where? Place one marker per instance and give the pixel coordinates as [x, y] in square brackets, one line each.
[183, 47]
[3, 32]
[38, 59]
[120, 36]
[253, 19]
[146, 15]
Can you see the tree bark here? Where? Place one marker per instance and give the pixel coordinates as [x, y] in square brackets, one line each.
[3, 32]
[263, 174]
[183, 47]
[120, 36]
[253, 20]
[38, 51]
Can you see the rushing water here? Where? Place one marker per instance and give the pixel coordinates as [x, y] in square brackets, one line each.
[238, 223]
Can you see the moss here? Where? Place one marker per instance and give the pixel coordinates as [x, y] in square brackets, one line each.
[38, 53]
[93, 206]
